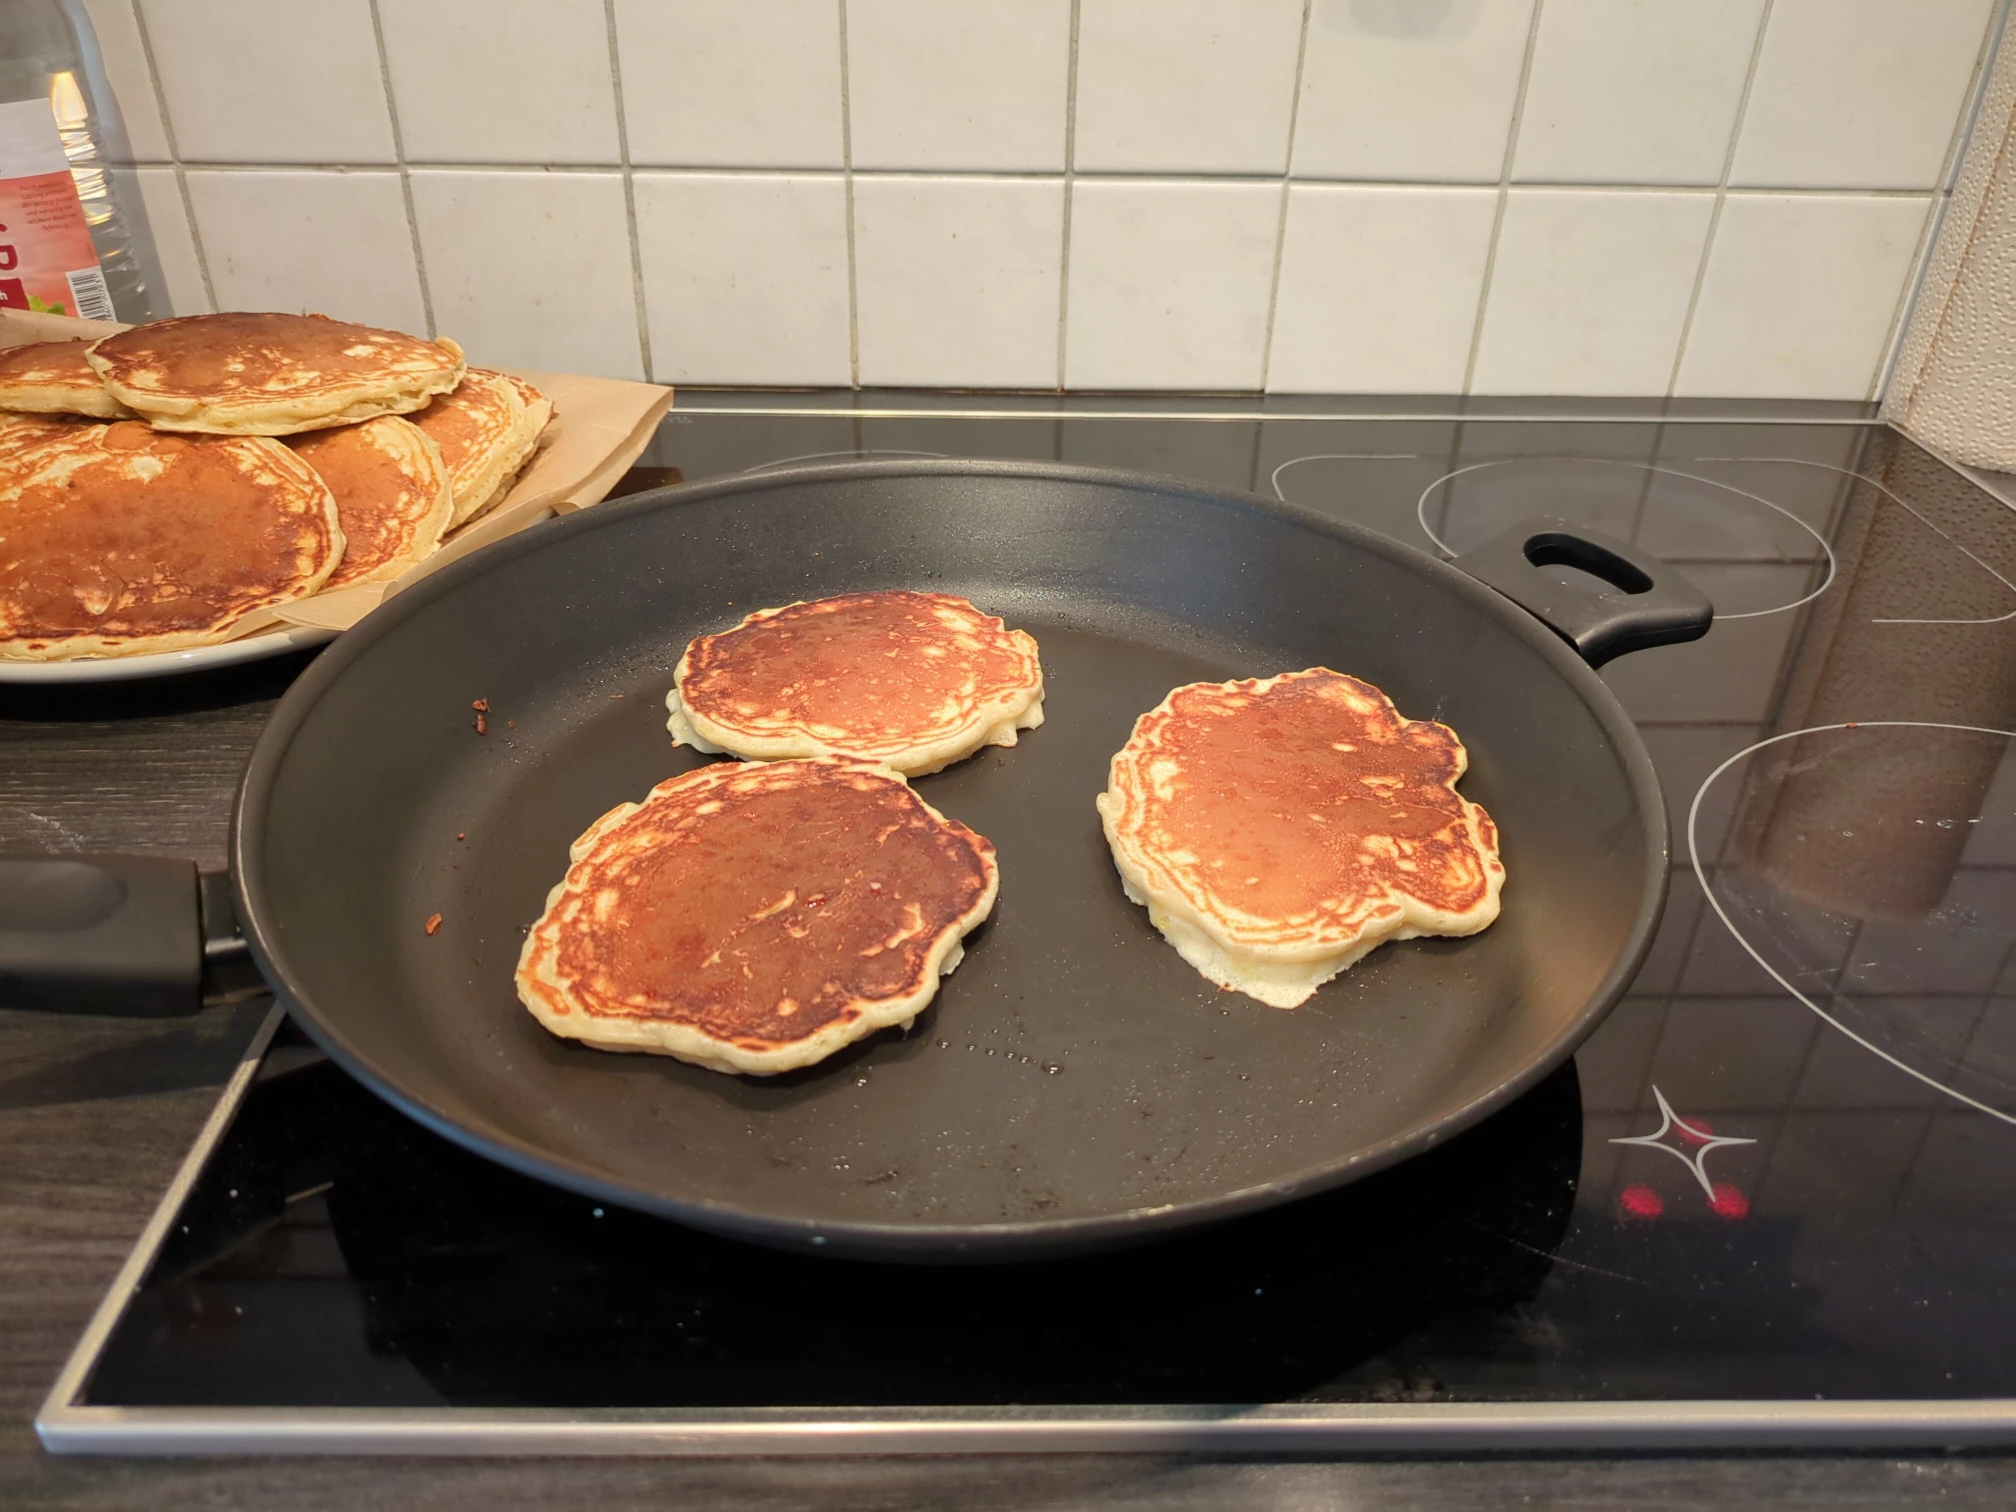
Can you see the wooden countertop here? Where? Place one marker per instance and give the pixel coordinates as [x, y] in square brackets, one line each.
[96, 1113]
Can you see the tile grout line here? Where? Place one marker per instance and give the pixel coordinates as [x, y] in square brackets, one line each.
[1070, 181]
[1281, 222]
[174, 159]
[629, 193]
[1721, 197]
[847, 193]
[405, 173]
[1942, 198]
[716, 170]
[1504, 195]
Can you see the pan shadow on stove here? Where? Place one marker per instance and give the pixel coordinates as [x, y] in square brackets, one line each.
[473, 1286]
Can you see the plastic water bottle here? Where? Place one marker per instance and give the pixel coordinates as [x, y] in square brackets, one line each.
[73, 240]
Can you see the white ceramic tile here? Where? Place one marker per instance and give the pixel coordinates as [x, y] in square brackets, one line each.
[957, 280]
[1589, 291]
[502, 81]
[1168, 284]
[1858, 94]
[271, 81]
[731, 83]
[118, 31]
[745, 277]
[1799, 295]
[327, 243]
[1185, 86]
[179, 263]
[932, 85]
[1410, 89]
[531, 269]
[1634, 91]
[1379, 289]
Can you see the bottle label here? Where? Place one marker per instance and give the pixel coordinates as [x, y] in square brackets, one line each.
[47, 261]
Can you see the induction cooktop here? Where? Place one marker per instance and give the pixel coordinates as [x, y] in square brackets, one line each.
[1772, 1200]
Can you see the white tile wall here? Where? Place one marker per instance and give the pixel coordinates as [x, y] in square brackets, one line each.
[1800, 295]
[745, 276]
[1410, 89]
[1169, 284]
[531, 81]
[1589, 291]
[957, 280]
[1347, 196]
[1858, 94]
[321, 243]
[1186, 86]
[1378, 289]
[271, 81]
[1635, 91]
[977, 87]
[732, 83]
[531, 269]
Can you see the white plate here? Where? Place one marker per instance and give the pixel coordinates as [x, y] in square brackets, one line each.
[166, 663]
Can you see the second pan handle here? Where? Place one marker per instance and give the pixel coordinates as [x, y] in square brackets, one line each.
[1644, 602]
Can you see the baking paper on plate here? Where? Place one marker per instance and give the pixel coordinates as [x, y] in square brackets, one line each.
[600, 427]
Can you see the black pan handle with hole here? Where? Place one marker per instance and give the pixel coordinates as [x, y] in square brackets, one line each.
[1646, 603]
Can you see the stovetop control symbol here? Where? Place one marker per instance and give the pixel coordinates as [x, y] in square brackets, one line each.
[1691, 1146]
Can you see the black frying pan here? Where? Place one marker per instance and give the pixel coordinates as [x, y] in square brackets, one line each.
[1075, 1084]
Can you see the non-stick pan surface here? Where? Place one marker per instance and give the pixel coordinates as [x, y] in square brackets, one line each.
[1075, 1084]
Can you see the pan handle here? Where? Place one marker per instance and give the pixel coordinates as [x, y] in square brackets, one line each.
[1645, 602]
[134, 936]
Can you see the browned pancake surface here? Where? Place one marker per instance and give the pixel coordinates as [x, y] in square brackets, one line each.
[126, 533]
[390, 494]
[1307, 804]
[760, 904]
[867, 673]
[53, 377]
[261, 358]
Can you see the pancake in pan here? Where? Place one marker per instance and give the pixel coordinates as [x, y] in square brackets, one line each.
[392, 498]
[756, 918]
[1278, 830]
[121, 540]
[54, 378]
[916, 681]
[270, 375]
[485, 431]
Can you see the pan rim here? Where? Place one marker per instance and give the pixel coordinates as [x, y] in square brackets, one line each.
[1020, 1239]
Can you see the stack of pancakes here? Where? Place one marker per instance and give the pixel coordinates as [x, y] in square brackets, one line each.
[149, 503]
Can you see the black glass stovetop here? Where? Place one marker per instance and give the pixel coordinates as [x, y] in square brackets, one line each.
[1784, 1168]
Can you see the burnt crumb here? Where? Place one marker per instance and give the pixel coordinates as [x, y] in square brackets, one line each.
[482, 725]
[433, 923]
[480, 705]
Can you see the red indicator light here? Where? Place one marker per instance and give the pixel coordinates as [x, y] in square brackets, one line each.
[1641, 1202]
[1729, 1201]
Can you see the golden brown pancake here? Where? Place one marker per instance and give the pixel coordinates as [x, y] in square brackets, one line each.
[19, 432]
[270, 375]
[485, 435]
[1280, 829]
[392, 498]
[53, 378]
[119, 540]
[756, 918]
[916, 681]
[538, 408]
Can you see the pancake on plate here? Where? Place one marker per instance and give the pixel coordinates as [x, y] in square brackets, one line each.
[392, 498]
[915, 681]
[486, 431]
[270, 375]
[120, 540]
[1280, 829]
[54, 378]
[756, 918]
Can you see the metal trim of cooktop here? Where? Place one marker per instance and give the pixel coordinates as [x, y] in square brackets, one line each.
[1324, 1427]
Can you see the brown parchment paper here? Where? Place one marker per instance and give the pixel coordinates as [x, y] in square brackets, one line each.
[600, 427]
